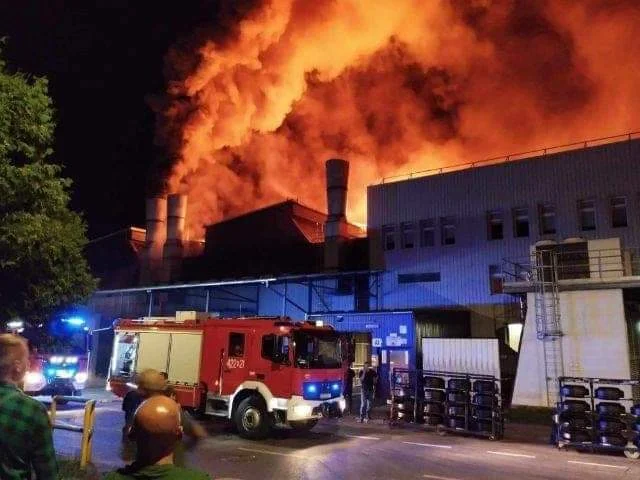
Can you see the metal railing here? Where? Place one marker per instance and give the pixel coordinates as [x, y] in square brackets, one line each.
[605, 264]
[87, 428]
[541, 152]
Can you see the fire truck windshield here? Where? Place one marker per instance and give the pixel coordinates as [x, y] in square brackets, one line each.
[317, 349]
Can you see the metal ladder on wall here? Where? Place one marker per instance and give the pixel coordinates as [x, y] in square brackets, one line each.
[547, 313]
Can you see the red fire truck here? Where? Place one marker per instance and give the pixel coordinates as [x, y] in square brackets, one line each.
[257, 372]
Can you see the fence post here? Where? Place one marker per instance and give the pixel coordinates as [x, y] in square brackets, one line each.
[87, 433]
[53, 410]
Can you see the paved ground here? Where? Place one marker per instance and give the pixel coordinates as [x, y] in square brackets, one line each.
[346, 449]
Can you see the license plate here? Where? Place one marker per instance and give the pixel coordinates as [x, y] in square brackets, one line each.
[325, 395]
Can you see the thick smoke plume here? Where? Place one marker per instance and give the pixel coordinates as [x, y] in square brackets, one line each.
[255, 106]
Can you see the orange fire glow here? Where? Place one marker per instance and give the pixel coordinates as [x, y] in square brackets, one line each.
[390, 85]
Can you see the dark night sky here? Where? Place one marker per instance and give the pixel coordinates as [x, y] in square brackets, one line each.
[102, 58]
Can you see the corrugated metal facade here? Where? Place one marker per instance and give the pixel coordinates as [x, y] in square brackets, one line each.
[597, 173]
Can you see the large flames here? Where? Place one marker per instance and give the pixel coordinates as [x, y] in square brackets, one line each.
[392, 86]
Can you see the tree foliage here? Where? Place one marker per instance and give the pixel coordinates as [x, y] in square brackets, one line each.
[42, 267]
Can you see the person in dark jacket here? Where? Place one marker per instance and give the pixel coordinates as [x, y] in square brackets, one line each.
[150, 382]
[368, 380]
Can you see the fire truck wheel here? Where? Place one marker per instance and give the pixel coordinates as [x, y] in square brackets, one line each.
[304, 426]
[251, 418]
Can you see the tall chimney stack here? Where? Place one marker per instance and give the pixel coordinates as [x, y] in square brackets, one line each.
[337, 172]
[174, 246]
[156, 232]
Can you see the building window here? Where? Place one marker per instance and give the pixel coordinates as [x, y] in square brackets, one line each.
[236, 344]
[547, 213]
[408, 234]
[427, 233]
[495, 225]
[619, 212]
[521, 222]
[496, 279]
[587, 215]
[389, 237]
[448, 226]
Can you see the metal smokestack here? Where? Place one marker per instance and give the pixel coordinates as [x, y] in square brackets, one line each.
[337, 171]
[174, 245]
[156, 233]
[335, 227]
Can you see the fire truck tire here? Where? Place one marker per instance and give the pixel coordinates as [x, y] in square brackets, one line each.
[252, 419]
[304, 426]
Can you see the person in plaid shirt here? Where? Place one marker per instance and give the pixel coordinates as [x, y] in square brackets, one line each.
[26, 441]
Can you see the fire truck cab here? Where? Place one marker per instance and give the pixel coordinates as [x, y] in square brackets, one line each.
[59, 356]
[257, 372]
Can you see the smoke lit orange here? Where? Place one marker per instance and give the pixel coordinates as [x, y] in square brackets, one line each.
[392, 86]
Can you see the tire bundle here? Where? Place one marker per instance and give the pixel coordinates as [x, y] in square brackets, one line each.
[404, 408]
[457, 411]
[575, 420]
[609, 426]
[635, 412]
[433, 407]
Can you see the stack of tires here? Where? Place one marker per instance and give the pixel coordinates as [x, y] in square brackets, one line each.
[484, 404]
[574, 414]
[635, 411]
[457, 411]
[433, 406]
[610, 425]
[403, 401]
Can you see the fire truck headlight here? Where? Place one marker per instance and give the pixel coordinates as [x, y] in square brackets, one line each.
[81, 377]
[71, 360]
[33, 379]
[56, 360]
[302, 410]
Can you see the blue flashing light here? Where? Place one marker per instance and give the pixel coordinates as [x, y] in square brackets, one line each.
[75, 321]
[312, 388]
[335, 387]
[51, 372]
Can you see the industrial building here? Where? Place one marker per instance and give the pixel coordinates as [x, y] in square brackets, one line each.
[448, 253]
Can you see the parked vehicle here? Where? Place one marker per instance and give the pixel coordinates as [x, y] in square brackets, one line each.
[59, 356]
[259, 373]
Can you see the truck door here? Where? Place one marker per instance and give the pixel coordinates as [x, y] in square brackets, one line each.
[274, 367]
[235, 359]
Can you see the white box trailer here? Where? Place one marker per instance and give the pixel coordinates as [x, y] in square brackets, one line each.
[476, 356]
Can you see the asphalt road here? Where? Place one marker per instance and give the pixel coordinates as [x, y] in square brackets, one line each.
[345, 450]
